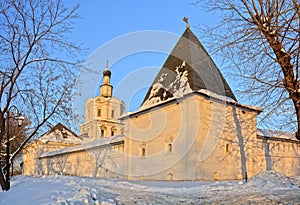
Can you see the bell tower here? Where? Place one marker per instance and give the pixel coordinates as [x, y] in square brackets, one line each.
[102, 113]
[106, 87]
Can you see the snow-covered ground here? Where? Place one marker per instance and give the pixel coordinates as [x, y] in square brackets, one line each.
[265, 188]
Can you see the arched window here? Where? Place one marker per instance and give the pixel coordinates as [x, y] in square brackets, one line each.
[143, 153]
[170, 177]
[103, 131]
[113, 131]
[170, 148]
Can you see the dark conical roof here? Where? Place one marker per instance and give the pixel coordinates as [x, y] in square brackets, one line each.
[188, 68]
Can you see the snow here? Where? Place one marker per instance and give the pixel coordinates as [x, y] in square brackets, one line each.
[202, 92]
[62, 136]
[216, 96]
[268, 187]
[271, 179]
[282, 50]
[84, 146]
[227, 99]
[276, 134]
[176, 89]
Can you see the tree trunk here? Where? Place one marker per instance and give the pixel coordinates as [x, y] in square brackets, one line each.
[2, 126]
[2, 131]
[284, 60]
[2, 180]
[297, 108]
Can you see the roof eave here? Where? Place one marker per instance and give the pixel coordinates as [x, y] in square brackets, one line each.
[205, 94]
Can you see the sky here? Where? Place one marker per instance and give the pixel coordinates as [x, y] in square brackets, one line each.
[104, 20]
[112, 30]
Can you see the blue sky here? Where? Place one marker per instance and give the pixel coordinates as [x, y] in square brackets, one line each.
[105, 22]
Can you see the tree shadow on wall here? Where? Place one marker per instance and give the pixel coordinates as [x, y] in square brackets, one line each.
[241, 142]
[268, 158]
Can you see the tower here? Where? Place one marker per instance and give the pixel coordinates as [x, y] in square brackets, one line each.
[102, 112]
[188, 69]
[106, 88]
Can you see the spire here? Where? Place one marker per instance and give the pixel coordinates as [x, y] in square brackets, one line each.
[186, 20]
[106, 87]
[188, 68]
[107, 73]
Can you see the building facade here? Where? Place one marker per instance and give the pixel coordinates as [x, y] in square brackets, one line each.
[190, 126]
[57, 138]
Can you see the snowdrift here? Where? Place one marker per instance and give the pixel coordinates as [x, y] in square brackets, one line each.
[272, 179]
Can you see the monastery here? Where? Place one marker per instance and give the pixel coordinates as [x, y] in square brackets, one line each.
[190, 126]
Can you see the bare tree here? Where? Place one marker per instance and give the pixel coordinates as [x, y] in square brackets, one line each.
[17, 136]
[38, 63]
[261, 40]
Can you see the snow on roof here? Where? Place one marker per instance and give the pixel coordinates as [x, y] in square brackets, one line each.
[276, 134]
[60, 133]
[176, 88]
[228, 100]
[188, 68]
[146, 106]
[84, 146]
[201, 92]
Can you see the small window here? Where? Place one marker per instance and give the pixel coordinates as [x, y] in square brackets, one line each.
[170, 147]
[121, 110]
[227, 148]
[99, 112]
[112, 133]
[112, 113]
[170, 177]
[102, 133]
[143, 152]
